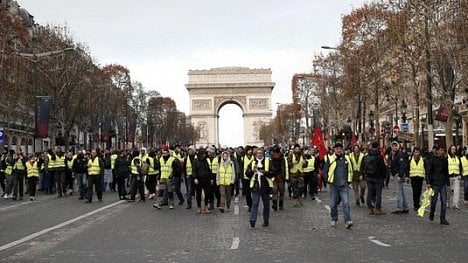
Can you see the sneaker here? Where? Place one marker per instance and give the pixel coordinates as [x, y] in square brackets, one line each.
[157, 206]
[252, 224]
[456, 207]
[406, 211]
[349, 224]
[333, 223]
[444, 222]
[265, 224]
[31, 198]
[5, 196]
[171, 207]
[151, 196]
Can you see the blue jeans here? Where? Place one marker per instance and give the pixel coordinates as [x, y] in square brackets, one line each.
[343, 193]
[190, 190]
[401, 198]
[177, 184]
[82, 184]
[256, 195]
[465, 187]
[442, 190]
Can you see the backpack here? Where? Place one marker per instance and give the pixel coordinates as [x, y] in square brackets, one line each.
[369, 164]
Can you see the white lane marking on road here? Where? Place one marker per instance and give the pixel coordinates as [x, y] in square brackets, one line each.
[371, 239]
[44, 231]
[235, 243]
[327, 207]
[236, 206]
[14, 206]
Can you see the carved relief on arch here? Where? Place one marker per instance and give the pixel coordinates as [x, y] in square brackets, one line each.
[239, 99]
[204, 104]
[262, 103]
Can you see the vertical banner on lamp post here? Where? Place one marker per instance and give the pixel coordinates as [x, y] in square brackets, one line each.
[42, 124]
[2, 137]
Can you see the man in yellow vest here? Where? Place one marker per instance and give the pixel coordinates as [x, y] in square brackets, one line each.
[310, 169]
[153, 171]
[33, 176]
[213, 160]
[417, 172]
[60, 167]
[9, 162]
[340, 176]
[95, 171]
[225, 177]
[188, 164]
[359, 183]
[2, 170]
[455, 168]
[19, 173]
[261, 184]
[296, 174]
[169, 167]
[114, 156]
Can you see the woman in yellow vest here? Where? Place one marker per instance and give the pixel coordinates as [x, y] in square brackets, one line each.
[95, 171]
[33, 176]
[225, 178]
[417, 173]
[455, 168]
[261, 184]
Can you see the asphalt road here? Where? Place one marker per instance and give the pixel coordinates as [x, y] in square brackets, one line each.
[53, 229]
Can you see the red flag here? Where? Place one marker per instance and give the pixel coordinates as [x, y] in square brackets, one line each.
[317, 140]
[354, 141]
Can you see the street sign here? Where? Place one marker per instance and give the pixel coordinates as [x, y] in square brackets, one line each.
[405, 127]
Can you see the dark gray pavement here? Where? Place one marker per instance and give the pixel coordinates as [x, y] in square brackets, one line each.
[136, 232]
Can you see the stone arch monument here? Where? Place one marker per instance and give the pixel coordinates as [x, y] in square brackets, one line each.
[209, 90]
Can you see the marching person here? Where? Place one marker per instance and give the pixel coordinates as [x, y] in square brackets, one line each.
[121, 174]
[397, 165]
[311, 166]
[137, 177]
[296, 163]
[247, 160]
[170, 166]
[359, 183]
[95, 171]
[454, 167]
[188, 164]
[438, 180]
[213, 161]
[279, 170]
[19, 174]
[261, 184]
[2, 170]
[153, 171]
[60, 167]
[80, 167]
[374, 171]
[202, 180]
[33, 176]
[464, 161]
[225, 178]
[417, 172]
[340, 176]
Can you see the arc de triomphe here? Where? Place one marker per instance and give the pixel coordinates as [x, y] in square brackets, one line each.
[209, 90]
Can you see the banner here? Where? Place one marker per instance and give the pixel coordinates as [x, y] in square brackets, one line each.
[106, 128]
[317, 140]
[42, 122]
[442, 114]
[2, 136]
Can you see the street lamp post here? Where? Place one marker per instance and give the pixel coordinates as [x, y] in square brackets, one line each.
[423, 121]
[458, 121]
[371, 124]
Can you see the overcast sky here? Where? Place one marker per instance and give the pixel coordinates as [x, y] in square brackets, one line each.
[159, 41]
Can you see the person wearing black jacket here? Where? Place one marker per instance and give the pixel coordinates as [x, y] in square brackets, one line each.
[80, 168]
[202, 179]
[397, 165]
[438, 180]
[121, 173]
[375, 180]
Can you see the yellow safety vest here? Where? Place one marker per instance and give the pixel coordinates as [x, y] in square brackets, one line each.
[454, 165]
[464, 162]
[286, 168]
[166, 167]
[19, 165]
[310, 165]
[267, 168]
[60, 161]
[417, 169]
[213, 164]
[298, 166]
[33, 171]
[331, 169]
[52, 163]
[134, 167]
[178, 156]
[151, 169]
[356, 163]
[113, 158]
[93, 166]
[247, 162]
[188, 167]
[225, 175]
